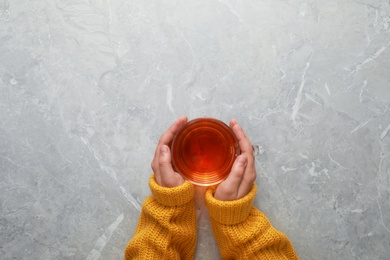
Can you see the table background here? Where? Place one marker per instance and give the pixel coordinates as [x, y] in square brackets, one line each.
[87, 87]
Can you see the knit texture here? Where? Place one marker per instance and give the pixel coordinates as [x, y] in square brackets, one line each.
[243, 232]
[167, 225]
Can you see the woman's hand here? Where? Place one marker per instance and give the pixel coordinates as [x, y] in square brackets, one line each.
[243, 173]
[162, 168]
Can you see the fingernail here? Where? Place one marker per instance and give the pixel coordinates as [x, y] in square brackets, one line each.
[181, 118]
[163, 149]
[242, 160]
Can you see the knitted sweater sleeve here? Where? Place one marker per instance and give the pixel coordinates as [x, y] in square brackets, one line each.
[167, 225]
[243, 232]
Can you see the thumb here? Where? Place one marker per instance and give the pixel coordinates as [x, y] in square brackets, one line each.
[165, 166]
[228, 189]
[164, 162]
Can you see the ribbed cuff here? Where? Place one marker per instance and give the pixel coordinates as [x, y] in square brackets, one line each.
[230, 212]
[170, 197]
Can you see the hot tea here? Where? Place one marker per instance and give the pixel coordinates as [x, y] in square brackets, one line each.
[204, 150]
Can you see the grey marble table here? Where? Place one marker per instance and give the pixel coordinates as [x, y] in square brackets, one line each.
[88, 86]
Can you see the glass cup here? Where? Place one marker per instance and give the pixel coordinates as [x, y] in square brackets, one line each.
[204, 150]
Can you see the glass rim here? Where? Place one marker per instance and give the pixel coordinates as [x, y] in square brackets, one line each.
[218, 175]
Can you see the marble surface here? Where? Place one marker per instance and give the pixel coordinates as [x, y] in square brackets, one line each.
[87, 87]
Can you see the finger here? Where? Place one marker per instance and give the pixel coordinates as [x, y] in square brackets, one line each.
[246, 149]
[233, 122]
[156, 170]
[168, 178]
[229, 188]
[168, 135]
[166, 138]
[247, 181]
[243, 140]
[237, 173]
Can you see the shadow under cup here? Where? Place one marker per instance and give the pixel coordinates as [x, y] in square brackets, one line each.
[204, 150]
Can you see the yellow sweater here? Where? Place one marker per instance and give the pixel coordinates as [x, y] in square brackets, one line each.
[167, 227]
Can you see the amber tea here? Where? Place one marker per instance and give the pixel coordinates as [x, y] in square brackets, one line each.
[204, 150]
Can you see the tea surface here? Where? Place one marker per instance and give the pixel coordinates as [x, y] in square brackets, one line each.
[205, 150]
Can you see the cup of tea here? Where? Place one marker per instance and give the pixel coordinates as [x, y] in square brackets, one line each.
[204, 150]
